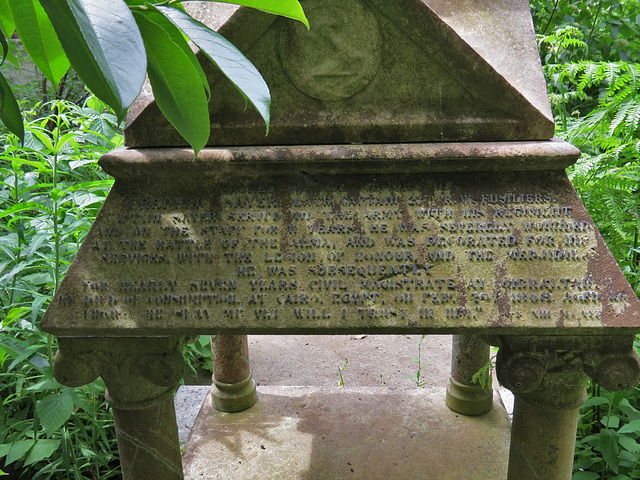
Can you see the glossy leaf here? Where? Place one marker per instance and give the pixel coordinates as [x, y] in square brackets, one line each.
[227, 57]
[104, 46]
[4, 45]
[6, 18]
[286, 8]
[158, 18]
[176, 83]
[10, 111]
[40, 39]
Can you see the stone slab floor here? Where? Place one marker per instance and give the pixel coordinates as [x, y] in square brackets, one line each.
[377, 425]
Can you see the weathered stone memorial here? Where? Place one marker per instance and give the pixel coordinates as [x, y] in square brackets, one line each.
[410, 183]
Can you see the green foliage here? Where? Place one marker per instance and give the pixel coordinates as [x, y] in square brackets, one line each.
[417, 378]
[608, 174]
[113, 44]
[341, 369]
[590, 52]
[50, 191]
[610, 29]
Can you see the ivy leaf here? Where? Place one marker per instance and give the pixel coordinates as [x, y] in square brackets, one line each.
[55, 409]
[235, 66]
[103, 43]
[176, 82]
[285, 8]
[10, 111]
[40, 39]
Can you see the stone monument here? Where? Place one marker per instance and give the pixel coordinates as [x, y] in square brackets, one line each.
[410, 182]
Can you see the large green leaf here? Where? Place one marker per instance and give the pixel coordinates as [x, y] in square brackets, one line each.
[41, 449]
[15, 450]
[54, 409]
[227, 57]
[5, 46]
[6, 18]
[159, 19]
[103, 43]
[609, 448]
[286, 8]
[39, 38]
[176, 83]
[10, 111]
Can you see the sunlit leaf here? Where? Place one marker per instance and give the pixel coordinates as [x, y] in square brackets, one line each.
[227, 57]
[176, 84]
[103, 43]
[6, 19]
[158, 18]
[40, 39]
[286, 8]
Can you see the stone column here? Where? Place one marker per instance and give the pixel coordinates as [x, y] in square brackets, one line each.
[141, 375]
[469, 354]
[547, 376]
[233, 388]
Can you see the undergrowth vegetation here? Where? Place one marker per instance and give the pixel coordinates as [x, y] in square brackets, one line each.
[591, 52]
[51, 190]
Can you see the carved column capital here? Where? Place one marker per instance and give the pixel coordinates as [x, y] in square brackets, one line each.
[528, 363]
[141, 374]
[613, 363]
[138, 371]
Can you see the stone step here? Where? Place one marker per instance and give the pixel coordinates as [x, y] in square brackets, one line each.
[334, 432]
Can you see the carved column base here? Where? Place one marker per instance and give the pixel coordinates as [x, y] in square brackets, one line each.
[468, 399]
[234, 397]
[233, 388]
[468, 355]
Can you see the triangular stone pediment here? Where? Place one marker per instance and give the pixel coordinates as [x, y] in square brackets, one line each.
[375, 72]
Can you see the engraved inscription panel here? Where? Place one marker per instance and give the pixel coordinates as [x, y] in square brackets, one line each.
[430, 252]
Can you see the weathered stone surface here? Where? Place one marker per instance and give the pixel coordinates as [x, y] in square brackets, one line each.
[267, 252]
[342, 432]
[375, 72]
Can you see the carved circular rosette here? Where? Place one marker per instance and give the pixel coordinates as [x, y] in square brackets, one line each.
[521, 372]
[339, 56]
[614, 372]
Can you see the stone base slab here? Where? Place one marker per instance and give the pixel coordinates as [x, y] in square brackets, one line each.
[348, 432]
